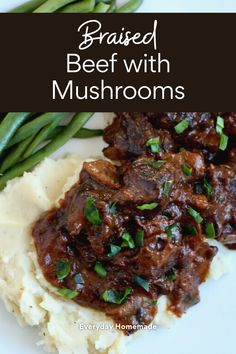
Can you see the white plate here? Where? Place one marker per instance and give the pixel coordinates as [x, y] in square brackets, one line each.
[207, 328]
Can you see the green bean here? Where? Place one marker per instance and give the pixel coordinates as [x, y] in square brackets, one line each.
[83, 133]
[15, 154]
[88, 133]
[101, 7]
[52, 5]
[35, 125]
[9, 126]
[130, 6]
[112, 6]
[41, 137]
[81, 6]
[29, 6]
[70, 130]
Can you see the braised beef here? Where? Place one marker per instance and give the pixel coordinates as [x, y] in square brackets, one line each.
[149, 216]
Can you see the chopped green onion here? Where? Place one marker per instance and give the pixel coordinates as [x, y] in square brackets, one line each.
[127, 240]
[91, 212]
[112, 208]
[150, 206]
[197, 217]
[154, 144]
[157, 164]
[220, 125]
[166, 188]
[169, 230]
[62, 269]
[171, 275]
[210, 230]
[181, 126]
[141, 282]
[139, 238]
[154, 302]
[78, 279]
[190, 230]
[68, 293]
[223, 142]
[207, 187]
[114, 250]
[114, 297]
[187, 170]
[100, 270]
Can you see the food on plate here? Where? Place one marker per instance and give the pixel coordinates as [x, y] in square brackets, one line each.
[73, 6]
[124, 242]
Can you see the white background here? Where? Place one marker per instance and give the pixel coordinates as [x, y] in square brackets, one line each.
[164, 5]
[208, 327]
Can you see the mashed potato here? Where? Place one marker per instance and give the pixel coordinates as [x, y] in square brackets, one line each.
[24, 290]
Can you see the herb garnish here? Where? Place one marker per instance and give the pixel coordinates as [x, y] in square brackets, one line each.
[223, 142]
[127, 240]
[190, 230]
[100, 270]
[197, 217]
[207, 187]
[78, 278]
[210, 231]
[139, 238]
[166, 188]
[171, 275]
[157, 164]
[150, 206]
[63, 268]
[91, 212]
[219, 129]
[143, 283]
[114, 297]
[187, 170]
[68, 293]
[169, 230]
[154, 144]
[181, 126]
[114, 250]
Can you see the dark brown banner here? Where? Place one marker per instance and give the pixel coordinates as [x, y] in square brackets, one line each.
[117, 62]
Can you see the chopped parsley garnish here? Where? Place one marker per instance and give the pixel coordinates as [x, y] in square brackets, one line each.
[207, 187]
[223, 142]
[91, 212]
[181, 126]
[62, 269]
[139, 238]
[157, 164]
[100, 270]
[189, 230]
[154, 144]
[127, 240]
[169, 230]
[220, 125]
[171, 275]
[78, 279]
[210, 231]
[147, 206]
[143, 283]
[114, 297]
[187, 170]
[166, 188]
[68, 293]
[197, 217]
[114, 250]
